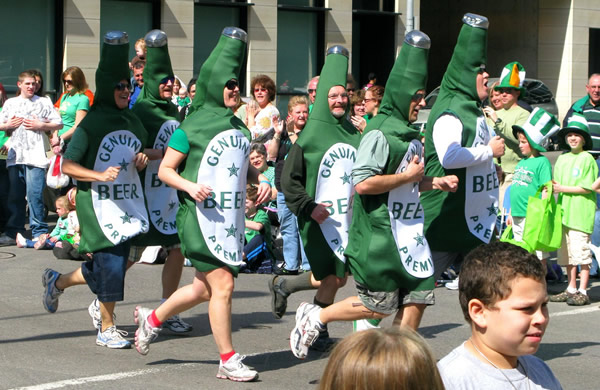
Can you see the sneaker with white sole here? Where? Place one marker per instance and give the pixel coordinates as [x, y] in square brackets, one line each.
[7, 241]
[112, 338]
[453, 285]
[235, 370]
[365, 324]
[94, 311]
[51, 292]
[177, 325]
[145, 333]
[307, 329]
[21, 241]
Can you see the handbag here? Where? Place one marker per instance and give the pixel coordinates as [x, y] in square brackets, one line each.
[55, 178]
[507, 236]
[543, 221]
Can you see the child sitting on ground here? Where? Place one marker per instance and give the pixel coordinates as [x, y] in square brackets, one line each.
[68, 247]
[502, 293]
[574, 175]
[532, 171]
[47, 241]
[258, 233]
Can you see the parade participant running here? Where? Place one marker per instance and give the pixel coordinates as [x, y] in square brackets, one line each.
[387, 253]
[212, 148]
[103, 156]
[459, 142]
[318, 187]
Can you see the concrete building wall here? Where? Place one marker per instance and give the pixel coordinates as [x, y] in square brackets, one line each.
[178, 22]
[262, 40]
[338, 26]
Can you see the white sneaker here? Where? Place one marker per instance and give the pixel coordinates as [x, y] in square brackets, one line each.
[364, 324]
[453, 285]
[307, 329]
[112, 338]
[94, 311]
[177, 325]
[235, 370]
[21, 241]
[145, 333]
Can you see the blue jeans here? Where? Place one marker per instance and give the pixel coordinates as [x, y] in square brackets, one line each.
[4, 185]
[105, 273]
[30, 181]
[293, 250]
[596, 241]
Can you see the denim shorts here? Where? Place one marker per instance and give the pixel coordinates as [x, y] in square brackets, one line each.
[105, 273]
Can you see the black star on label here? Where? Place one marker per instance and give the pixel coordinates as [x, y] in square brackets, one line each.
[124, 165]
[492, 210]
[126, 218]
[231, 231]
[172, 205]
[419, 239]
[233, 170]
[346, 178]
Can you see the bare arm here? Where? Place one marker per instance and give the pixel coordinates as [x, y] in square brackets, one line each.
[254, 225]
[81, 173]
[38, 125]
[445, 183]
[379, 184]
[167, 172]
[569, 189]
[264, 188]
[79, 115]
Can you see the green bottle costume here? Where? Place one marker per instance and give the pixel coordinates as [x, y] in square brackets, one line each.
[317, 170]
[159, 117]
[212, 231]
[387, 249]
[460, 221]
[109, 212]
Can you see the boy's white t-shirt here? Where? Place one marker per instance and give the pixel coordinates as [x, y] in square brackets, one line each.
[460, 370]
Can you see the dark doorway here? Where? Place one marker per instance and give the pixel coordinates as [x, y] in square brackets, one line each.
[594, 51]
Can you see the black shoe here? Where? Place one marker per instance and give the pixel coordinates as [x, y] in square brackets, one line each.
[283, 271]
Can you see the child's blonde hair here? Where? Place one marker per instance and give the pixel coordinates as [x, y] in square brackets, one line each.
[63, 201]
[382, 359]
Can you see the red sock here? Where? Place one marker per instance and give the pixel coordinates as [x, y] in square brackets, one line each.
[153, 320]
[226, 356]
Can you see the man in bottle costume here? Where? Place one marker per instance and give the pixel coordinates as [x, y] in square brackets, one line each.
[104, 156]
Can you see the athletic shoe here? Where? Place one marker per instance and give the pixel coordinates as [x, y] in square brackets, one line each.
[7, 241]
[278, 297]
[561, 297]
[358, 325]
[307, 329]
[112, 338]
[94, 311]
[282, 271]
[235, 370]
[323, 343]
[144, 334]
[177, 325]
[51, 292]
[453, 285]
[21, 241]
[578, 299]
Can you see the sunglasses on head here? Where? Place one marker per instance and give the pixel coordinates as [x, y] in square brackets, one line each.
[167, 79]
[123, 86]
[231, 84]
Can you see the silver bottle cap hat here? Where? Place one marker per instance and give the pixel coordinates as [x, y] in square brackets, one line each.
[475, 20]
[418, 39]
[156, 38]
[338, 49]
[235, 33]
[116, 38]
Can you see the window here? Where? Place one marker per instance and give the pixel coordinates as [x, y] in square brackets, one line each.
[30, 48]
[300, 47]
[594, 51]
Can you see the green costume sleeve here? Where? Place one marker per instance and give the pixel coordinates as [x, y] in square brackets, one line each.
[292, 180]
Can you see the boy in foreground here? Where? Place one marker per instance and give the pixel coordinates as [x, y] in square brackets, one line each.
[502, 293]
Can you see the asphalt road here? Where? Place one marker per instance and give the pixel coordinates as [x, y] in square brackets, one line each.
[50, 351]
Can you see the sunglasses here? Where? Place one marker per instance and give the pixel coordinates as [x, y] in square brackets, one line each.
[167, 79]
[68, 82]
[350, 89]
[232, 84]
[312, 90]
[417, 97]
[260, 90]
[123, 86]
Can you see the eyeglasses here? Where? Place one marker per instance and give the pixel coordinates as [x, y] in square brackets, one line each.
[334, 96]
[68, 82]
[167, 79]
[123, 86]
[350, 89]
[260, 90]
[232, 84]
[417, 97]
[312, 90]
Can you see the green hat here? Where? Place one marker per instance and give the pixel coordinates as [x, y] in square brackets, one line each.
[112, 68]
[576, 124]
[540, 126]
[512, 76]
[408, 75]
[333, 73]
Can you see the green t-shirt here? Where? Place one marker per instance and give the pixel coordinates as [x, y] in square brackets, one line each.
[529, 175]
[69, 105]
[179, 142]
[577, 170]
[3, 139]
[260, 217]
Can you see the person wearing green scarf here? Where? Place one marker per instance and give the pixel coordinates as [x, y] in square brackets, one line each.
[459, 142]
[207, 161]
[317, 185]
[388, 175]
[104, 156]
[159, 116]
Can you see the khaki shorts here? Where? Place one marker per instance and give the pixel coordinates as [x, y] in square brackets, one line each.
[574, 248]
[384, 302]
